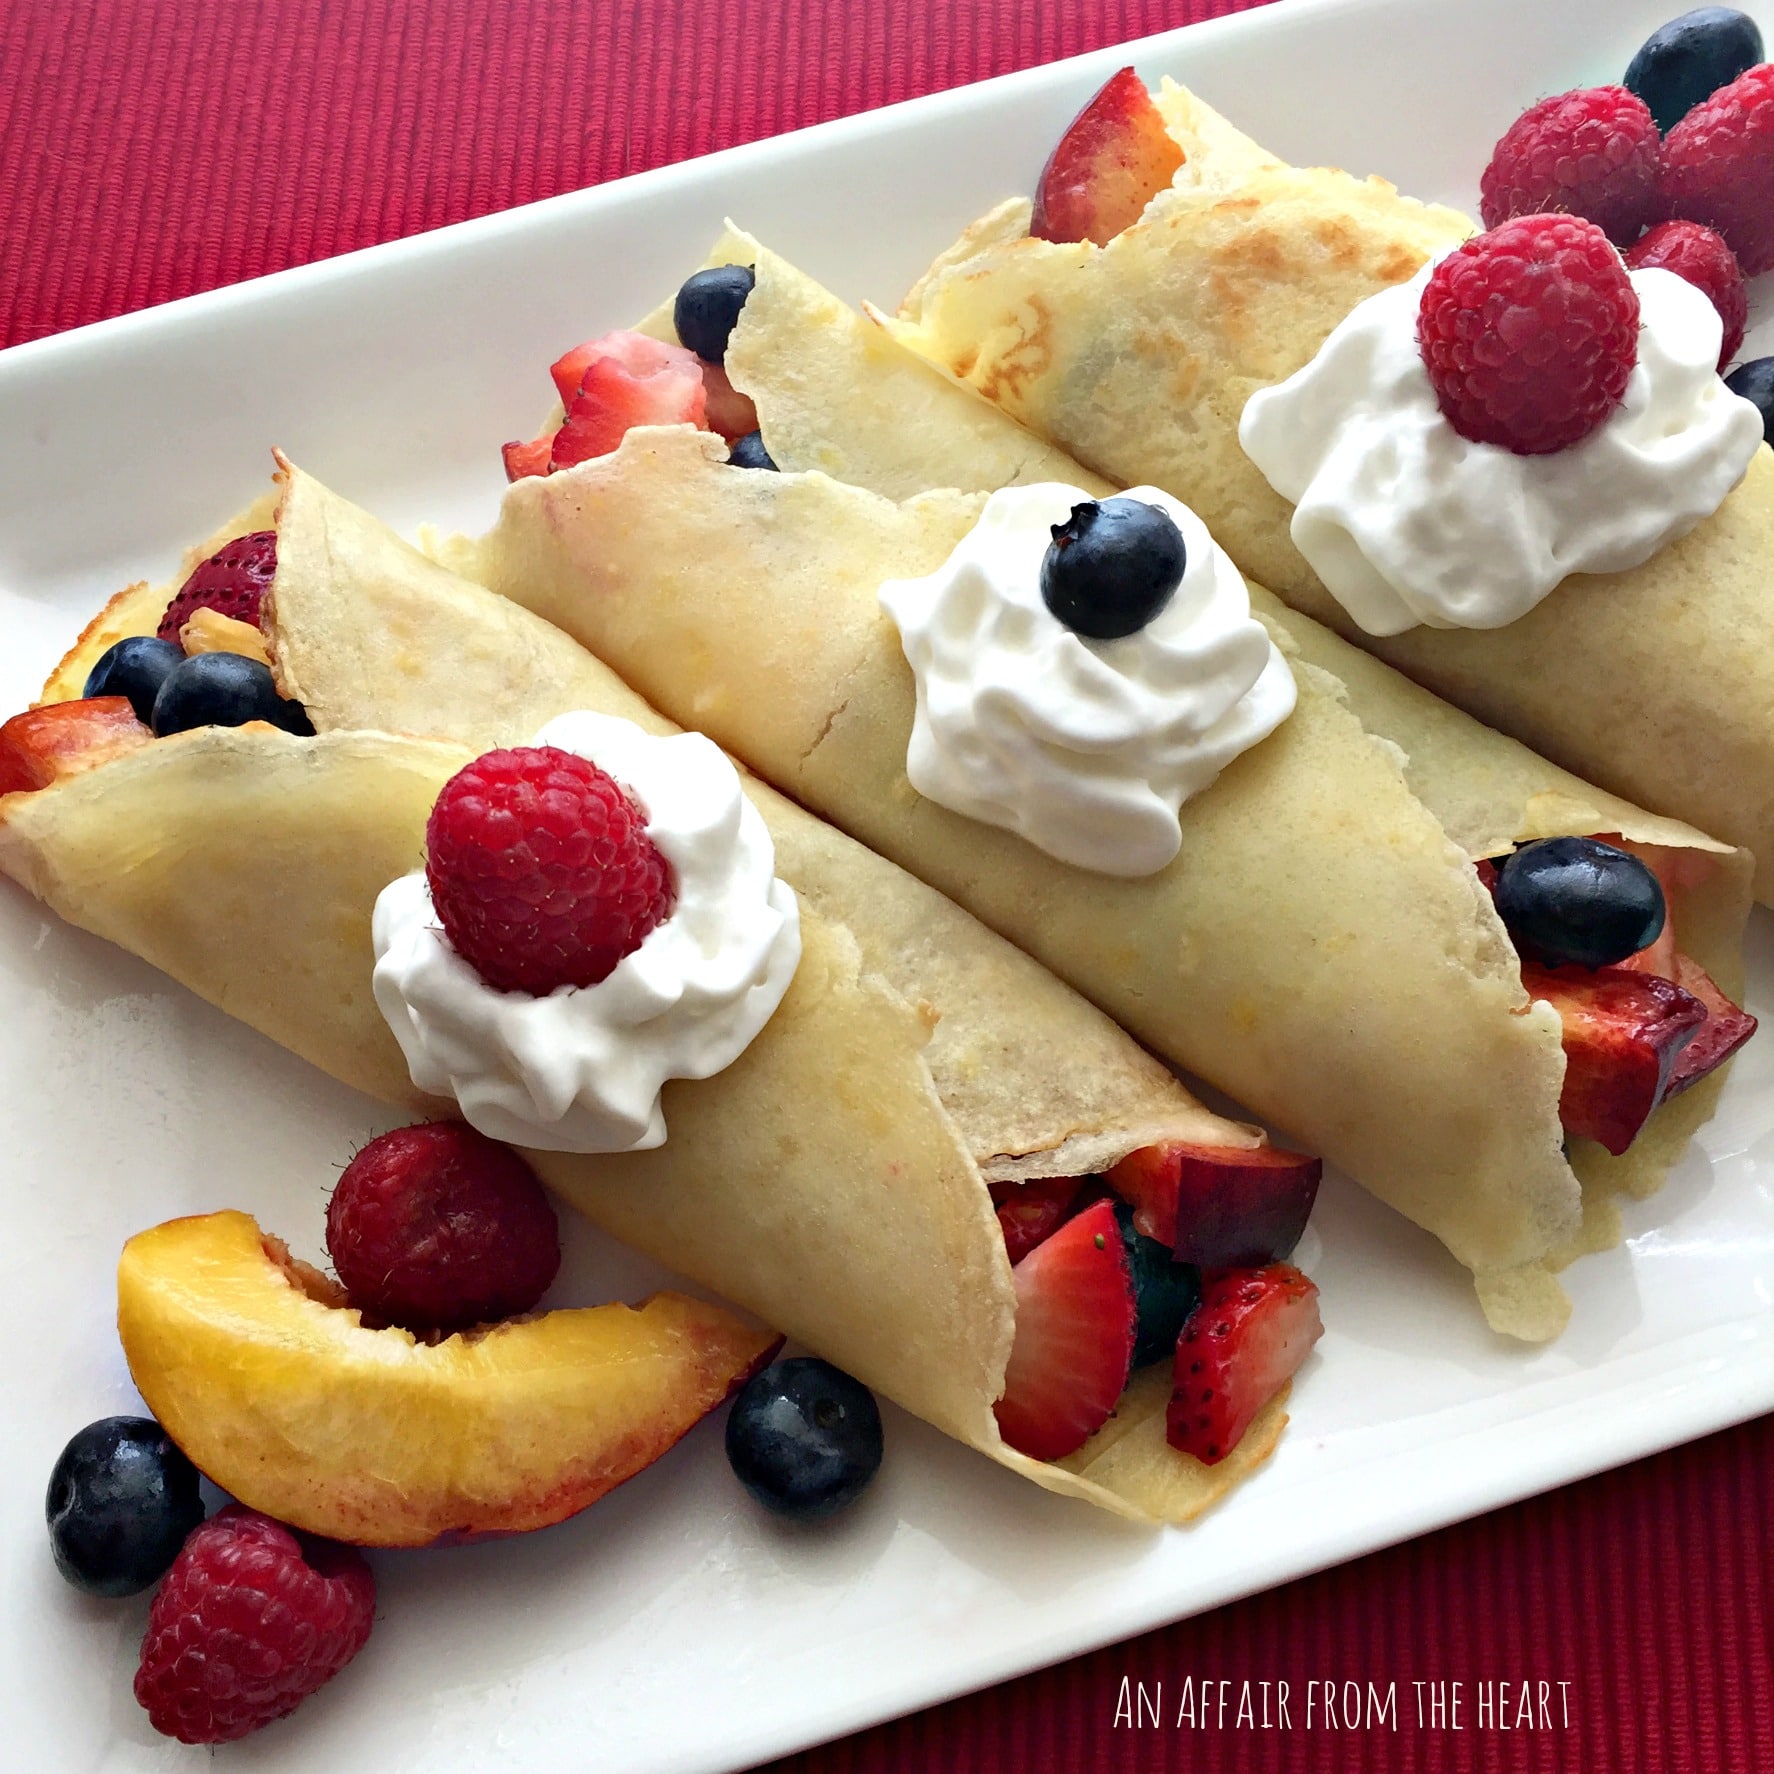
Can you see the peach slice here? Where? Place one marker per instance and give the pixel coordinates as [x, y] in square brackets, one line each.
[286, 1400]
[1114, 158]
[60, 739]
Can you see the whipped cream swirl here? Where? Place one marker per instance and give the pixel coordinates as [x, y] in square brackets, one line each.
[1407, 522]
[581, 1069]
[1086, 748]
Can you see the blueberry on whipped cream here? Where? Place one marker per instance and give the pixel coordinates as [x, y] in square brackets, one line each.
[579, 1068]
[1086, 747]
[1111, 567]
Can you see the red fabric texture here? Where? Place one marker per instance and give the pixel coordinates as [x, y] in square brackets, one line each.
[151, 148]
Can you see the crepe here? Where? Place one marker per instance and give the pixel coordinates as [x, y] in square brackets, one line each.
[833, 1180]
[1140, 355]
[1321, 949]
[836, 392]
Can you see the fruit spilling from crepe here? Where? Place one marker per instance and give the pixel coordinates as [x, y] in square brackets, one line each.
[1642, 1021]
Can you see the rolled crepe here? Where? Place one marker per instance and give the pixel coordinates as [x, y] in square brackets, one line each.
[835, 391]
[1139, 356]
[1321, 949]
[833, 1180]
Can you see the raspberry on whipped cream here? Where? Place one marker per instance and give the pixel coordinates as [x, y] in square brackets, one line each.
[1085, 747]
[581, 1068]
[1407, 522]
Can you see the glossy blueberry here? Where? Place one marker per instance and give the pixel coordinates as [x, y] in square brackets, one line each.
[708, 307]
[223, 690]
[1165, 1291]
[135, 667]
[749, 452]
[804, 1438]
[1111, 567]
[1577, 900]
[1690, 58]
[1755, 382]
[121, 1500]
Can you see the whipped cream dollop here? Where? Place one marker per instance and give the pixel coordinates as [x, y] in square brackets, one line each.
[1087, 748]
[581, 1069]
[1407, 522]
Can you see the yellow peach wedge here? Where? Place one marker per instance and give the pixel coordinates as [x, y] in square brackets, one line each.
[275, 1389]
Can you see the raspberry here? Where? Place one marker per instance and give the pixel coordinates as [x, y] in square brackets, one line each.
[1529, 333]
[1702, 258]
[233, 580]
[542, 871]
[251, 1619]
[1719, 167]
[437, 1227]
[1593, 153]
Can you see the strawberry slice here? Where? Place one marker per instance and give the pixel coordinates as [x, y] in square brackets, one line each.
[629, 380]
[729, 412]
[569, 370]
[1622, 1032]
[1726, 1028]
[1218, 1207]
[1074, 1337]
[1114, 158]
[1030, 1213]
[63, 738]
[523, 459]
[1248, 1337]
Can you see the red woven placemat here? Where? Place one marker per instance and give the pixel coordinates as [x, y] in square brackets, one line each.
[151, 148]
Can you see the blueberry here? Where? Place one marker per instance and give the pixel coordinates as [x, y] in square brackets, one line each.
[121, 1500]
[223, 690]
[136, 668]
[1576, 900]
[1690, 58]
[1755, 382]
[1111, 567]
[707, 309]
[804, 1438]
[749, 452]
[1165, 1291]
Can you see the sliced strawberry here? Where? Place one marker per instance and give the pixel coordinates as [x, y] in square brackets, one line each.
[523, 459]
[569, 370]
[729, 412]
[63, 738]
[1622, 1033]
[233, 580]
[1726, 1028]
[1074, 1337]
[1218, 1207]
[1114, 158]
[1030, 1213]
[629, 380]
[1247, 1338]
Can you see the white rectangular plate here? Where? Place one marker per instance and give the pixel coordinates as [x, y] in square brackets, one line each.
[671, 1628]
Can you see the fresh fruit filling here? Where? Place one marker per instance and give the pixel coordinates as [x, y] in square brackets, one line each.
[205, 666]
[1114, 158]
[1114, 1273]
[233, 582]
[611, 384]
[1642, 1021]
